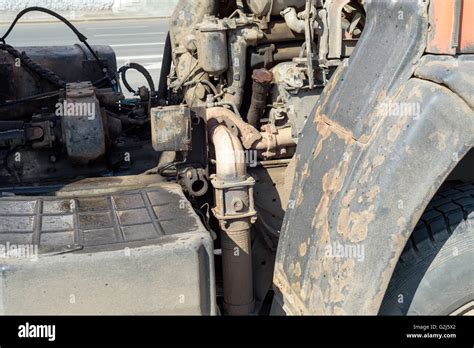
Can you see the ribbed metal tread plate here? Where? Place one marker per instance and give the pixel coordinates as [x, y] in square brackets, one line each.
[110, 219]
[133, 252]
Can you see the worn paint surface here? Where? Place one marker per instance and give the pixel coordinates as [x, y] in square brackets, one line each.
[367, 172]
[171, 128]
[456, 73]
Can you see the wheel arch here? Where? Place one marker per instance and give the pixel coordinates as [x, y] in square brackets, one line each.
[364, 177]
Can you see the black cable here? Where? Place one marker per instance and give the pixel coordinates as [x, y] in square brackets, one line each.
[79, 35]
[141, 69]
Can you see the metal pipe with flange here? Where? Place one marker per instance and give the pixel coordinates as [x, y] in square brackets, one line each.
[234, 208]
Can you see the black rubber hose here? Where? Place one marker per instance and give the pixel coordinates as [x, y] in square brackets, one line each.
[262, 79]
[141, 69]
[165, 70]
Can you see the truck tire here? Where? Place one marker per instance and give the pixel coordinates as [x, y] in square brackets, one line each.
[435, 273]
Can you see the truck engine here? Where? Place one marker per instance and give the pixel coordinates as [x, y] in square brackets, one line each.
[219, 129]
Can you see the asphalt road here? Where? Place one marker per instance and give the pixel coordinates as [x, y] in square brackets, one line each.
[138, 41]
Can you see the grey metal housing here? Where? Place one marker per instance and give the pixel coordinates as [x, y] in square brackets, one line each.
[143, 251]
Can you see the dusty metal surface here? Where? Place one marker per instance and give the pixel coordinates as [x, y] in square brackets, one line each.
[455, 73]
[71, 63]
[96, 219]
[366, 170]
[171, 128]
[271, 192]
[186, 16]
[82, 123]
[84, 187]
[273, 7]
[367, 200]
[334, 9]
[212, 46]
[115, 253]
[274, 180]
[395, 45]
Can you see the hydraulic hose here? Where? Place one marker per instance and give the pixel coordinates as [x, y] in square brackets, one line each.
[141, 69]
[262, 82]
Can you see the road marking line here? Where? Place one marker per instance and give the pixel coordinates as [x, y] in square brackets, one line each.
[155, 66]
[136, 34]
[150, 56]
[139, 44]
[116, 28]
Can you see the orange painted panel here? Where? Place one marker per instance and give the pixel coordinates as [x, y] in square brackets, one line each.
[442, 20]
[466, 37]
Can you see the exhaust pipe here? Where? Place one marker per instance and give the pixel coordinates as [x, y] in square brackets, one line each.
[234, 203]
[264, 142]
[234, 208]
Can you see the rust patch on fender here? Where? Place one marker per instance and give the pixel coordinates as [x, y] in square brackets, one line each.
[293, 305]
[305, 173]
[372, 194]
[369, 167]
[354, 225]
[339, 130]
[359, 225]
[347, 199]
[331, 185]
[303, 249]
[297, 271]
[323, 130]
[336, 274]
[339, 282]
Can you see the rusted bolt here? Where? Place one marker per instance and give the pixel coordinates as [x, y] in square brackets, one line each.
[262, 76]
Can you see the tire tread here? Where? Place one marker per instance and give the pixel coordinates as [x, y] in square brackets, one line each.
[446, 208]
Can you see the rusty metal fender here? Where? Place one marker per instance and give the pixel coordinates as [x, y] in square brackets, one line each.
[380, 144]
